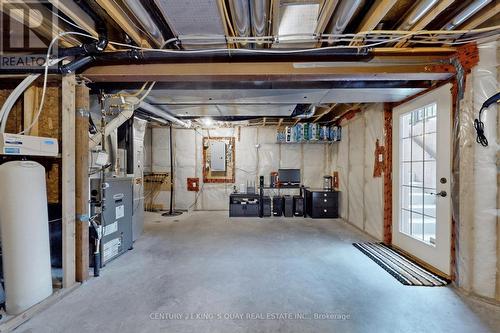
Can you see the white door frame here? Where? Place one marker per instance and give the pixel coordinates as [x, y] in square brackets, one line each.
[439, 254]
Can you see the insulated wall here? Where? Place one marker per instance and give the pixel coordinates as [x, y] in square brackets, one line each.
[476, 211]
[361, 197]
[256, 153]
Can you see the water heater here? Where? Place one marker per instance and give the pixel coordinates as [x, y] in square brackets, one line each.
[25, 235]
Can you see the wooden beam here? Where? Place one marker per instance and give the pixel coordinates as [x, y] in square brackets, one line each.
[275, 5]
[296, 121]
[75, 13]
[280, 122]
[122, 19]
[428, 18]
[376, 13]
[17, 10]
[68, 179]
[265, 72]
[388, 174]
[30, 104]
[82, 182]
[325, 15]
[325, 112]
[484, 15]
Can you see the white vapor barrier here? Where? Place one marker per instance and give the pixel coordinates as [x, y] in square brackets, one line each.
[361, 195]
[184, 166]
[268, 152]
[256, 154]
[160, 160]
[341, 165]
[373, 187]
[356, 171]
[148, 137]
[484, 80]
[314, 167]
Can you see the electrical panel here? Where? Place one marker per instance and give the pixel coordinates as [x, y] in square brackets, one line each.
[218, 156]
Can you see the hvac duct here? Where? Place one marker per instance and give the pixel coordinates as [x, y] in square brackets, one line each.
[162, 114]
[240, 12]
[25, 235]
[416, 14]
[260, 12]
[466, 13]
[343, 15]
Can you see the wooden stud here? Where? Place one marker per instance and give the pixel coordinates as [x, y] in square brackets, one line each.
[30, 104]
[68, 179]
[82, 181]
[388, 174]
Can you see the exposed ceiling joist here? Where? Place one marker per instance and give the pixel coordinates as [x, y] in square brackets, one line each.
[75, 13]
[328, 110]
[325, 15]
[47, 29]
[375, 15]
[428, 18]
[484, 15]
[120, 17]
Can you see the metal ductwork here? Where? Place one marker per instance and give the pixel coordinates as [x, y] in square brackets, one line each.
[345, 11]
[464, 15]
[260, 12]
[140, 13]
[240, 12]
[416, 14]
[304, 111]
[162, 114]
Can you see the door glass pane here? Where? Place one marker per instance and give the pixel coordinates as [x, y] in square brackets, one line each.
[418, 173]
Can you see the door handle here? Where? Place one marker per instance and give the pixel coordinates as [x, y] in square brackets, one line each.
[441, 194]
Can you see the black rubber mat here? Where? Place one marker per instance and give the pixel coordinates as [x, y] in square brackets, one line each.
[403, 269]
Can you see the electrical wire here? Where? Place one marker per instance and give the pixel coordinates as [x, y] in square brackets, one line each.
[478, 123]
[46, 74]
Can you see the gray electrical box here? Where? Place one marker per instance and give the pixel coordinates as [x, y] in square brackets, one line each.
[116, 221]
[217, 156]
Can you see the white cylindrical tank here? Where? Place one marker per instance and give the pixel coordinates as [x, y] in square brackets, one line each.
[25, 235]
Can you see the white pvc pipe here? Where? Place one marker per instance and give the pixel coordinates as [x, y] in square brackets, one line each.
[13, 97]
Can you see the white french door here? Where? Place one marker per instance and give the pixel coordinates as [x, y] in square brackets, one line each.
[421, 177]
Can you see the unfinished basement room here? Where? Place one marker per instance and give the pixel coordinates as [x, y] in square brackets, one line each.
[249, 166]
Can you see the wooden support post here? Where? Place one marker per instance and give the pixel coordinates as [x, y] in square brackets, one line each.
[388, 174]
[68, 179]
[30, 107]
[82, 182]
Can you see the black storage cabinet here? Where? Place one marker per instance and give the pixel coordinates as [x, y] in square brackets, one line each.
[244, 205]
[322, 203]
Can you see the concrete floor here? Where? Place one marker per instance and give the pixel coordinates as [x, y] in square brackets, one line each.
[204, 264]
